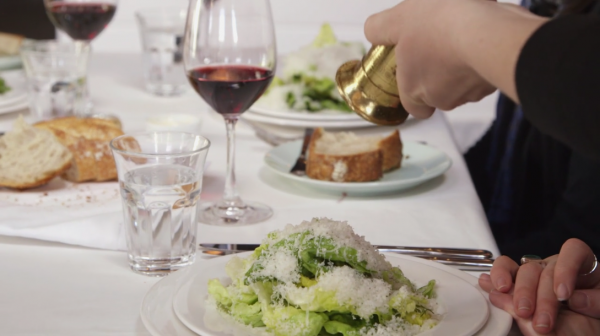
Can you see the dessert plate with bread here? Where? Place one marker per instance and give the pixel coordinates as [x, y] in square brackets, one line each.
[343, 162]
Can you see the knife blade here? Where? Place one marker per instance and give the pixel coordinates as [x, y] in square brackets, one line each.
[299, 167]
[440, 252]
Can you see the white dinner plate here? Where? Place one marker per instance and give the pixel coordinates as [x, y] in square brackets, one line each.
[420, 164]
[328, 115]
[355, 122]
[467, 310]
[157, 313]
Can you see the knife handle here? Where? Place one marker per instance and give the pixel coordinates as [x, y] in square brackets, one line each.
[438, 251]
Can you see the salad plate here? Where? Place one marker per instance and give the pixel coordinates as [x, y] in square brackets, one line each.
[325, 115]
[159, 318]
[356, 122]
[10, 62]
[16, 98]
[420, 164]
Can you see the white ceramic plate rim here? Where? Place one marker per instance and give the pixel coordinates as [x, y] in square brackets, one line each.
[14, 108]
[465, 320]
[356, 123]
[362, 187]
[325, 115]
[158, 317]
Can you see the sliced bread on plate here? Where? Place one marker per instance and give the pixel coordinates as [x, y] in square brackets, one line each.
[88, 139]
[31, 157]
[347, 157]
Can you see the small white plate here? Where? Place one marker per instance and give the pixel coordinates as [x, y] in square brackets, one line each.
[420, 164]
[467, 309]
[329, 115]
[354, 122]
[159, 318]
[10, 62]
[15, 99]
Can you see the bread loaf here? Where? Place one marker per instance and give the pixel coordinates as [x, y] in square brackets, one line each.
[10, 43]
[88, 139]
[346, 157]
[31, 157]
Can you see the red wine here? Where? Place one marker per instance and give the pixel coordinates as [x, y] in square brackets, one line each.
[230, 89]
[81, 21]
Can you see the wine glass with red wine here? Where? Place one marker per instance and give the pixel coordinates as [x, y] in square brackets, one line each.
[230, 57]
[82, 20]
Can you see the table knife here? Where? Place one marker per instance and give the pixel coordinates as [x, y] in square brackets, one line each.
[465, 253]
[300, 167]
[462, 263]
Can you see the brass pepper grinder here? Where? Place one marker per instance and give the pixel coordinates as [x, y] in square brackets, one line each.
[369, 87]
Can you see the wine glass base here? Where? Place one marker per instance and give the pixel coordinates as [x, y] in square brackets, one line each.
[221, 214]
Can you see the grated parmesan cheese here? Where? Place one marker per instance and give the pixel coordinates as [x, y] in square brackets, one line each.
[342, 235]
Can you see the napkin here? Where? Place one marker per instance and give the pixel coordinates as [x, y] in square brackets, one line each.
[86, 214]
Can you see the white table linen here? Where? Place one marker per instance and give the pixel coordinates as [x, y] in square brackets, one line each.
[55, 289]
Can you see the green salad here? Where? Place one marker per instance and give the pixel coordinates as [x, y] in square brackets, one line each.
[319, 278]
[3, 86]
[307, 82]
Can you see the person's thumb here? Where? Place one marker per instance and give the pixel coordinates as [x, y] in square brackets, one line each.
[586, 302]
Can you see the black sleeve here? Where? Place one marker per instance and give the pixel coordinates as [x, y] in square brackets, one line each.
[558, 81]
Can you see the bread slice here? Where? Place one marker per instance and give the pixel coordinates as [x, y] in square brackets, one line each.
[346, 157]
[31, 157]
[88, 139]
[10, 43]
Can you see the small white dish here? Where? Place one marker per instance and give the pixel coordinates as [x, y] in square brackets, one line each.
[174, 122]
[466, 308]
[420, 164]
[159, 318]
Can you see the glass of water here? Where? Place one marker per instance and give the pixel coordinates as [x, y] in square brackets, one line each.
[160, 177]
[161, 31]
[56, 75]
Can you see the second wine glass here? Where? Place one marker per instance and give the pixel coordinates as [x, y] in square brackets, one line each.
[82, 20]
[230, 58]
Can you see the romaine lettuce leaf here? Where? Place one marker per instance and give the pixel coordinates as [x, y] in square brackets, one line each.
[289, 321]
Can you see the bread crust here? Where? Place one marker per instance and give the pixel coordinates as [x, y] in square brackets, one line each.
[88, 139]
[361, 167]
[391, 147]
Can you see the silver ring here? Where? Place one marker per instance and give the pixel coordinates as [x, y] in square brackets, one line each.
[593, 267]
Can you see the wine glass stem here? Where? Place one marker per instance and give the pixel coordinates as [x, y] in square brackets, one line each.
[230, 195]
[84, 104]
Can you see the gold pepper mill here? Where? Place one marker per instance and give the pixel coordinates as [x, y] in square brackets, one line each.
[369, 87]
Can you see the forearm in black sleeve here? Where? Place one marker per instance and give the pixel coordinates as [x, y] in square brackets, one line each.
[558, 81]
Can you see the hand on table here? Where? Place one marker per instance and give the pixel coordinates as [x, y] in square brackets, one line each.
[449, 53]
[531, 292]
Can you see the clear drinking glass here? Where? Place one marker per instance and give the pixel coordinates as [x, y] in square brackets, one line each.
[230, 57]
[161, 32]
[56, 77]
[160, 177]
[82, 20]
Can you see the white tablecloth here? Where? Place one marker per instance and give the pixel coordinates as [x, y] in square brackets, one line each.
[54, 289]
